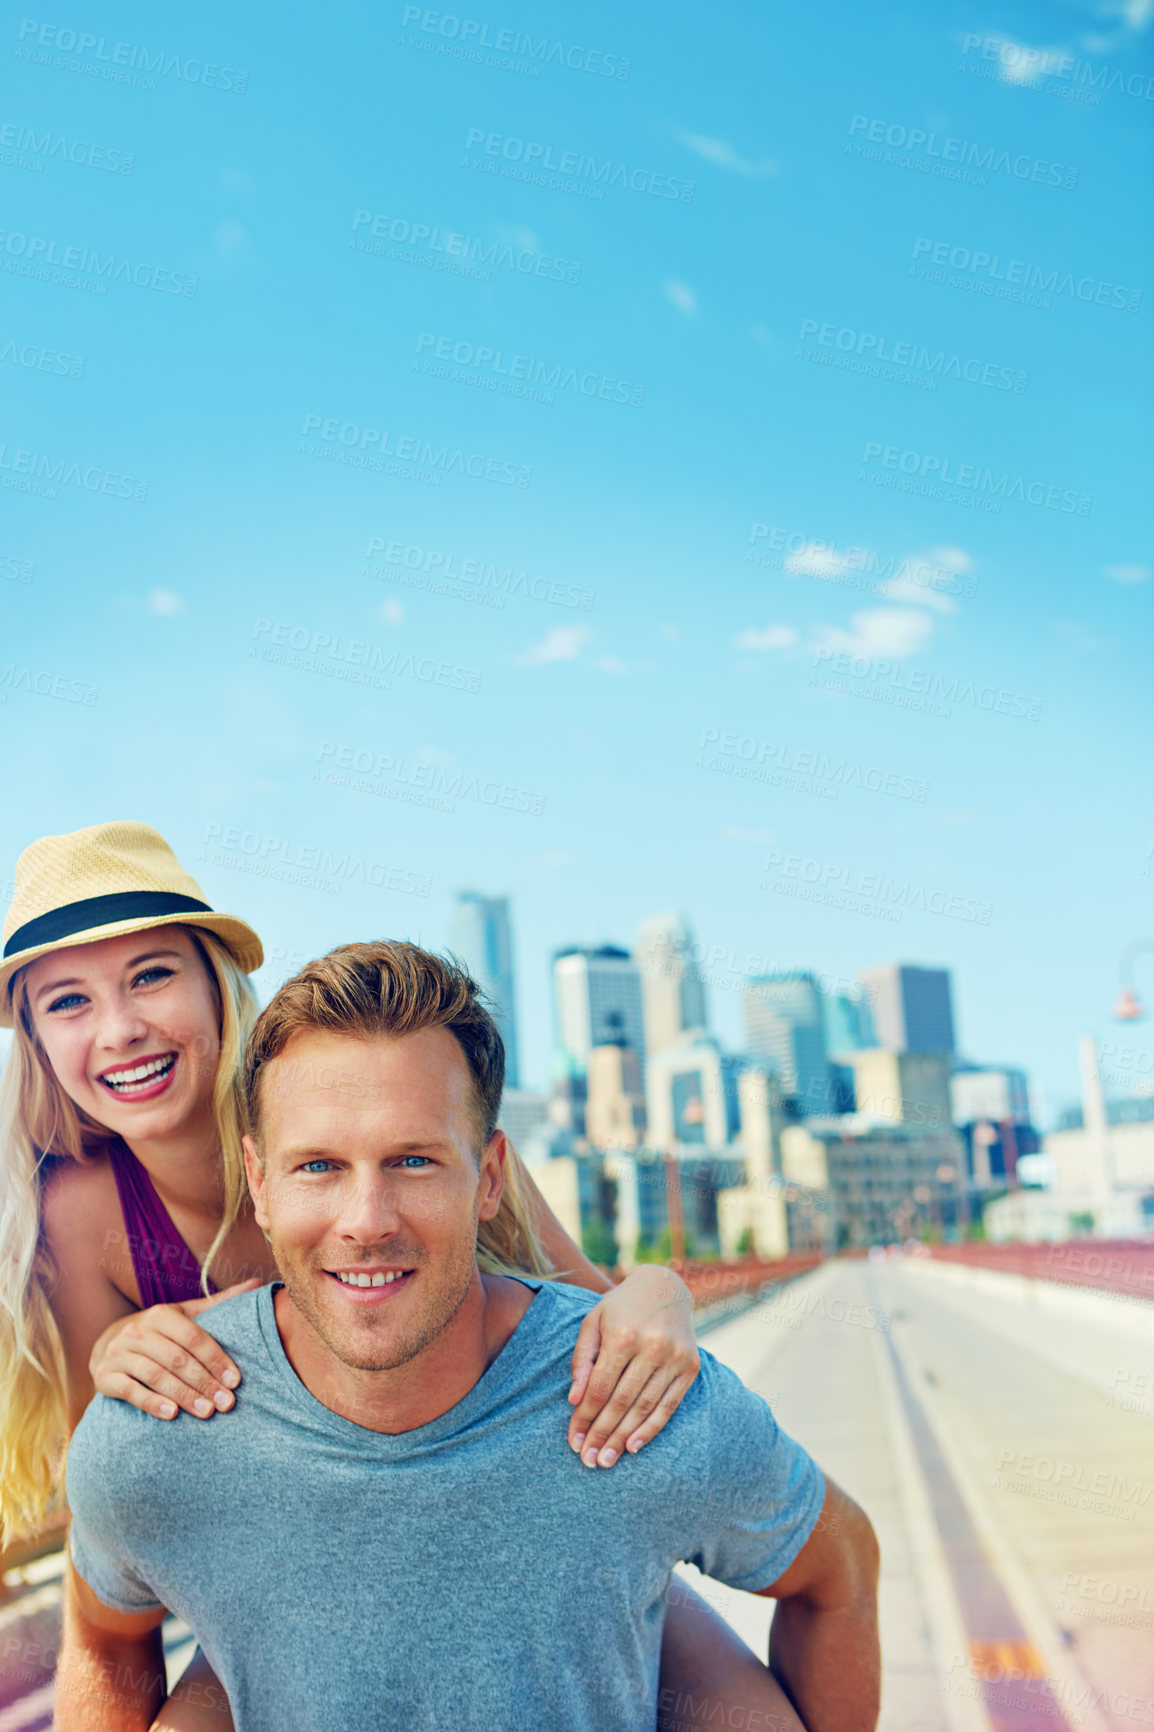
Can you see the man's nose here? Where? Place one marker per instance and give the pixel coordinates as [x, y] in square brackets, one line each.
[368, 1210]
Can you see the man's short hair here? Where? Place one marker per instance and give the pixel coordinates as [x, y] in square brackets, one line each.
[390, 988]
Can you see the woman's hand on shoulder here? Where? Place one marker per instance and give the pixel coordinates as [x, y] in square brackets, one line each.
[636, 1356]
[163, 1362]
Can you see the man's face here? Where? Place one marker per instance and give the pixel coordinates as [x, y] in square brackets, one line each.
[368, 1172]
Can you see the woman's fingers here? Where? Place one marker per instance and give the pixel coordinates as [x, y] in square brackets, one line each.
[145, 1384]
[163, 1344]
[584, 1357]
[636, 1411]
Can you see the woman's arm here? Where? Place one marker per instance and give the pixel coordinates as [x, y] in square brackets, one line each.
[636, 1352]
[158, 1360]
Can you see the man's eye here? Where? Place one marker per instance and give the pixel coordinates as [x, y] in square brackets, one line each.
[317, 1166]
[419, 1160]
[67, 1001]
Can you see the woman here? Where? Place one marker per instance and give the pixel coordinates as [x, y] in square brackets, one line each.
[125, 1212]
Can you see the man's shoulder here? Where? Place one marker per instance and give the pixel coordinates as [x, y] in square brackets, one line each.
[113, 1434]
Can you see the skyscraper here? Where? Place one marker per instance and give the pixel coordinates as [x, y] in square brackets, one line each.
[784, 1022]
[596, 1002]
[911, 1007]
[673, 993]
[482, 937]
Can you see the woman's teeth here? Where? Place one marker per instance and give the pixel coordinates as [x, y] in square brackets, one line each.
[370, 1280]
[141, 1076]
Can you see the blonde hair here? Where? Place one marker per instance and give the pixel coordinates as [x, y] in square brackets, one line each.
[41, 1124]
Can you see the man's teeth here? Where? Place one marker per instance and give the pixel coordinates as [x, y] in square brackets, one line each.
[370, 1280]
[127, 1080]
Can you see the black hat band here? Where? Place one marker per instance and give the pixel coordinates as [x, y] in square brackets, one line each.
[95, 911]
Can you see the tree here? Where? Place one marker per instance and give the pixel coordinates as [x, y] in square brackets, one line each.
[745, 1245]
[598, 1243]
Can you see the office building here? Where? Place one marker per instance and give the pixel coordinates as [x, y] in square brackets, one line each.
[880, 1182]
[596, 1002]
[481, 936]
[785, 1023]
[903, 1087]
[691, 1093]
[911, 1007]
[673, 993]
[615, 1105]
[848, 1024]
[643, 1180]
[991, 1110]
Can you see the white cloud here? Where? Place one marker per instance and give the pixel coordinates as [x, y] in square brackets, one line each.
[562, 644]
[906, 589]
[611, 665]
[1127, 573]
[393, 611]
[721, 154]
[768, 637]
[551, 860]
[950, 558]
[165, 602]
[739, 833]
[880, 631]
[1077, 634]
[682, 296]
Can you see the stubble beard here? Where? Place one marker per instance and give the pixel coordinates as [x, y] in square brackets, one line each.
[385, 1345]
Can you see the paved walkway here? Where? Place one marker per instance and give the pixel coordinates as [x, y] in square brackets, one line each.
[1012, 1491]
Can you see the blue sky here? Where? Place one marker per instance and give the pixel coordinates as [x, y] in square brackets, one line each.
[797, 448]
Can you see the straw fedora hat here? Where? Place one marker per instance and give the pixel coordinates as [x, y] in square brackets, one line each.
[99, 883]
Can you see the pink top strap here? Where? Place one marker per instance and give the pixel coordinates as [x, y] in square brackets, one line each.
[166, 1270]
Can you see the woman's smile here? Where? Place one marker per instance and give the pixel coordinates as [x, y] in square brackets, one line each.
[145, 1079]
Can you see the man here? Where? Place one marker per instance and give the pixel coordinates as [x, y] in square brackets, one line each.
[385, 1534]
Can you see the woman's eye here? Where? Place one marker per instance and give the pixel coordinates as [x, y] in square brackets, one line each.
[66, 1001]
[149, 976]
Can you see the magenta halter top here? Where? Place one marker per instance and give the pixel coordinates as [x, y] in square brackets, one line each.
[166, 1270]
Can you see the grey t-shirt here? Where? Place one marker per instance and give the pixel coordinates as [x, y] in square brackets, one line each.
[470, 1573]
